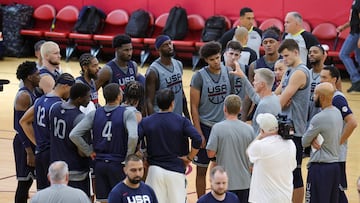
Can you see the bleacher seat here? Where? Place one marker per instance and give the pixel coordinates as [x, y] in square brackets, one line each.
[306, 26]
[43, 16]
[149, 43]
[84, 40]
[272, 22]
[196, 25]
[115, 23]
[65, 21]
[326, 34]
[198, 44]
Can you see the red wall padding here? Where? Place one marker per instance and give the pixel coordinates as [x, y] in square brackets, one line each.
[313, 11]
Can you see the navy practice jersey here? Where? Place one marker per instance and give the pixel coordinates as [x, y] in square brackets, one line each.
[41, 124]
[118, 76]
[110, 138]
[17, 116]
[62, 121]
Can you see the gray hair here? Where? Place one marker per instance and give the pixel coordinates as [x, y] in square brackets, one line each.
[266, 75]
[297, 16]
[58, 171]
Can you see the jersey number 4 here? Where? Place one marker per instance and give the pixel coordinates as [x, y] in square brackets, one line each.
[107, 131]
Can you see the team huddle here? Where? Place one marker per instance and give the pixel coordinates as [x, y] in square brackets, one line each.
[145, 130]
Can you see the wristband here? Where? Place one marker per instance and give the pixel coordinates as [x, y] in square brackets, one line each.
[188, 158]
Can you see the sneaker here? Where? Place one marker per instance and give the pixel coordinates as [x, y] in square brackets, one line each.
[355, 87]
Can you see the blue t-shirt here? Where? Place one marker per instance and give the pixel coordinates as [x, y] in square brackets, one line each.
[166, 135]
[121, 193]
[208, 198]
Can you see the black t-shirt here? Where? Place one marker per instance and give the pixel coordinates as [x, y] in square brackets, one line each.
[355, 21]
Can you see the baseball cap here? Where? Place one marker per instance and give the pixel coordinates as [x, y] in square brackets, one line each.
[267, 122]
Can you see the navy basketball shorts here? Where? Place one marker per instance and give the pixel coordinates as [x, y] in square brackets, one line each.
[23, 171]
[343, 178]
[83, 185]
[298, 180]
[201, 159]
[322, 184]
[108, 174]
[42, 161]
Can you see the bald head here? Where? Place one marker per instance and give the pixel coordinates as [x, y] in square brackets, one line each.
[241, 35]
[324, 93]
[326, 89]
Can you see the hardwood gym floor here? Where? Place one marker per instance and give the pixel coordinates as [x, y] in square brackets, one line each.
[8, 181]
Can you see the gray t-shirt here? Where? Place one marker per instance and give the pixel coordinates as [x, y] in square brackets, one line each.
[267, 104]
[297, 111]
[170, 78]
[314, 80]
[327, 123]
[60, 193]
[213, 90]
[230, 139]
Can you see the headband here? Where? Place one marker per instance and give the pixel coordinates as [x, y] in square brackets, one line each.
[160, 40]
[270, 35]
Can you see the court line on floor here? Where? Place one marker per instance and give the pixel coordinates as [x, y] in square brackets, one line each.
[7, 177]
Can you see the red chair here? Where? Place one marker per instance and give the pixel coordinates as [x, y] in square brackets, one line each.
[196, 24]
[306, 26]
[44, 16]
[79, 40]
[326, 34]
[115, 23]
[272, 22]
[149, 43]
[65, 21]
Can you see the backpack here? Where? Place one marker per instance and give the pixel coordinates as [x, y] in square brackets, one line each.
[15, 18]
[215, 27]
[138, 25]
[176, 26]
[90, 21]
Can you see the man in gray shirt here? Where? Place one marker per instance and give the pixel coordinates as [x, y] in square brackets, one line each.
[323, 134]
[294, 97]
[208, 90]
[59, 192]
[165, 72]
[228, 141]
[261, 93]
